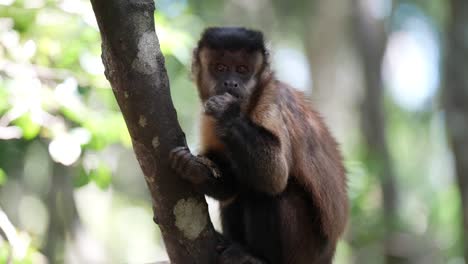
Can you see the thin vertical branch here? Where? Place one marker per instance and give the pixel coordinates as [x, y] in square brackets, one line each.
[455, 99]
[371, 41]
[136, 71]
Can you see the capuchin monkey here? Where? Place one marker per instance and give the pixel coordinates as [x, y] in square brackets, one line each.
[266, 156]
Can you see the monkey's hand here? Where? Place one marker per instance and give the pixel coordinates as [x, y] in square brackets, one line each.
[223, 106]
[195, 169]
[235, 254]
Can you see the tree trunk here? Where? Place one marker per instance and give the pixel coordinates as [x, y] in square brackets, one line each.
[455, 99]
[334, 66]
[135, 69]
[371, 42]
[61, 208]
[65, 221]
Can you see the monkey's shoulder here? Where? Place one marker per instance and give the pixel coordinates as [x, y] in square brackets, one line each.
[282, 108]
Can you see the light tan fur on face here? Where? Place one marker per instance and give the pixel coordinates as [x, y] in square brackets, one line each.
[205, 82]
[258, 67]
[204, 57]
[259, 62]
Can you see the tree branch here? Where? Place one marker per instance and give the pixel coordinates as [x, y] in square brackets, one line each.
[371, 40]
[455, 96]
[136, 71]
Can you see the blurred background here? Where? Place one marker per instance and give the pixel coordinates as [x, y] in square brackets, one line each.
[389, 77]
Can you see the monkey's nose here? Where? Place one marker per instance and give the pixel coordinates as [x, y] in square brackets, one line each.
[231, 84]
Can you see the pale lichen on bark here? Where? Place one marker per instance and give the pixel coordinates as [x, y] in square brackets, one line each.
[190, 217]
[142, 121]
[145, 61]
[155, 142]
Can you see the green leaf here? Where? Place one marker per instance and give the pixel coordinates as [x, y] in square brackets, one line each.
[23, 18]
[4, 253]
[102, 176]
[3, 177]
[81, 178]
[30, 128]
[106, 129]
[4, 98]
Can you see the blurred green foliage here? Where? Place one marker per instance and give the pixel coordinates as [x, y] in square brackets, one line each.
[3, 177]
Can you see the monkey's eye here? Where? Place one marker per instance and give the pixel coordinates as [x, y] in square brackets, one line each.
[242, 69]
[221, 67]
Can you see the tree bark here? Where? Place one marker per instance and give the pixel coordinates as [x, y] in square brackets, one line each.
[62, 207]
[371, 41]
[334, 65]
[134, 66]
[455, 98]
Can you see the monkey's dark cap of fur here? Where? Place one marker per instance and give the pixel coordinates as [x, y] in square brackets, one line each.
[232, 38]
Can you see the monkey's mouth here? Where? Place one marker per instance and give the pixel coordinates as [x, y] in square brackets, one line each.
[234, 93]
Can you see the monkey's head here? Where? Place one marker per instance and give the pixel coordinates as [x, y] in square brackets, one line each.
[229, 60]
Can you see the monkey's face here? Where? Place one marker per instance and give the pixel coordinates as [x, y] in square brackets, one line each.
[233, 72]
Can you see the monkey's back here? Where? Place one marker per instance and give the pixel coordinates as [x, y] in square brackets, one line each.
[314, 159]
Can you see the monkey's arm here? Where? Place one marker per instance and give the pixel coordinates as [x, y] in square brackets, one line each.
[211, 174]
[257, 153]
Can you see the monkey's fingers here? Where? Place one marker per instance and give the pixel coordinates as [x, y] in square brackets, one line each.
[176, 155]
[187, 167]
[216, 105]
[210, 165]
[212, 107]
[174, 158]
[186, 162]
[229, 97]
[220, 106]
[177, 150]
[174, 152]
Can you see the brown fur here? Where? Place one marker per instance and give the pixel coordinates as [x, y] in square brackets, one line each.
[209, 140]
[286, 113]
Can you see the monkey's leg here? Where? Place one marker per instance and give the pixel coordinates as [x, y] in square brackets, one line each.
[208, 177]
[232, 220]
[236, 254]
